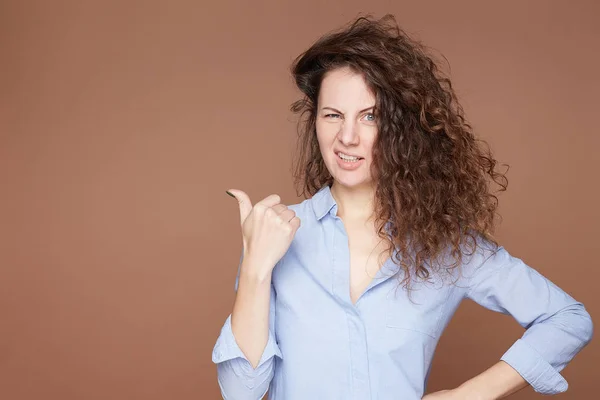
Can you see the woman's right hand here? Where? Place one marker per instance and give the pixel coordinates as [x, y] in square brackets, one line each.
[268, 228]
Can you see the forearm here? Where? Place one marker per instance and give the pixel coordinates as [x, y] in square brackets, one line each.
[250, 315]
[497, 382]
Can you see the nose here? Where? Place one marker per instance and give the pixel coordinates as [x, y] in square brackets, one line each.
[348, 133]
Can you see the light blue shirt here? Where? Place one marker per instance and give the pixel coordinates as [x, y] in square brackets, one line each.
[322, 346]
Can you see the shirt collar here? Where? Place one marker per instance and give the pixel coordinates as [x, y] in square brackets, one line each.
[323, 202]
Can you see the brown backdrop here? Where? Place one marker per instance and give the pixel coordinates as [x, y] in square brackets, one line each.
[123, 123]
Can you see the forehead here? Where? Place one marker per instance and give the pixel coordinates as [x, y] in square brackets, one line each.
[344, 88]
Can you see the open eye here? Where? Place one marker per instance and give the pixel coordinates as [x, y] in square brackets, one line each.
[332, 115]
[370, 117]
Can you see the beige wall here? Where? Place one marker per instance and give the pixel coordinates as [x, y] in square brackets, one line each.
[122, 124]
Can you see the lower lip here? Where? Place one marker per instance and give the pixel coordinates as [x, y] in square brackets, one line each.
[349, 165]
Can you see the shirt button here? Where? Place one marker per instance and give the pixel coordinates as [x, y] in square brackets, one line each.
[359, 377]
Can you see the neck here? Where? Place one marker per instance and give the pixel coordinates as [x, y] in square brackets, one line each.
[356, 203]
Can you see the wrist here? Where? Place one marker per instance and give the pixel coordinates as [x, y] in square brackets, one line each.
[470, 391]
[255, 273]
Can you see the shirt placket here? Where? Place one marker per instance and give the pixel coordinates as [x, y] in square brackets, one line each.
[357, 335]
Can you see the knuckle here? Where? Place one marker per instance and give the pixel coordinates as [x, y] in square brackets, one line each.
[273, 197]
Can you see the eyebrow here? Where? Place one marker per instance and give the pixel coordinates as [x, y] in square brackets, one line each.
[339, 112]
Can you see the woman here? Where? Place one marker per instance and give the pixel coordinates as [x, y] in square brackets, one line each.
[345, 295]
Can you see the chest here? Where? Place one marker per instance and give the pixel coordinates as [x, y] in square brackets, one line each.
[367, 253]
[332, 273]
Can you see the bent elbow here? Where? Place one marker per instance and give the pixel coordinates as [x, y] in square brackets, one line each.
[588, 327]
[581, 324]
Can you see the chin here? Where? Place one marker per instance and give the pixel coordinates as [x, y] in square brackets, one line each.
[349, 179]
[352, 182]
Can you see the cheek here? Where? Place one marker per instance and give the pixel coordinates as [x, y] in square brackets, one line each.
[325, 134]
[369, 140]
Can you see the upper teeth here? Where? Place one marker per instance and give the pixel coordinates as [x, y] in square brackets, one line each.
[347, 157]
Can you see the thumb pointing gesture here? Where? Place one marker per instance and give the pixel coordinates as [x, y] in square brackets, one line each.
[252, 218]
[244, 203]
[268, 228]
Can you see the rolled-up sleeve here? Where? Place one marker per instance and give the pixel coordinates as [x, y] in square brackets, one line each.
[557, 326]
[237, 378]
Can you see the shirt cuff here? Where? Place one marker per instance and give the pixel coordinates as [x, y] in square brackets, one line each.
[540, 374]
[227, 348]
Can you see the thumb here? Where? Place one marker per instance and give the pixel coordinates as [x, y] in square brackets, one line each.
[243, 201]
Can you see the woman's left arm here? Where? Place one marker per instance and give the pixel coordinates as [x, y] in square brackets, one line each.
[557, 328]
[497, 382]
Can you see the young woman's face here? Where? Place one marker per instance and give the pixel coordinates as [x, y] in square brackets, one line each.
[346, 127]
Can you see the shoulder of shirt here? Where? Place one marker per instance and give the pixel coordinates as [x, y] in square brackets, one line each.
[485, 256]
[304, 209]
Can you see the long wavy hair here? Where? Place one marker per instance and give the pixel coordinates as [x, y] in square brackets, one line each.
[432, 175]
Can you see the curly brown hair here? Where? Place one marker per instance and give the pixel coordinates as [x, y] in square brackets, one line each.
[432, 174]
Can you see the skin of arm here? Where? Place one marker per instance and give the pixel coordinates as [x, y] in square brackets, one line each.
[497, 382]
[250, 315]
